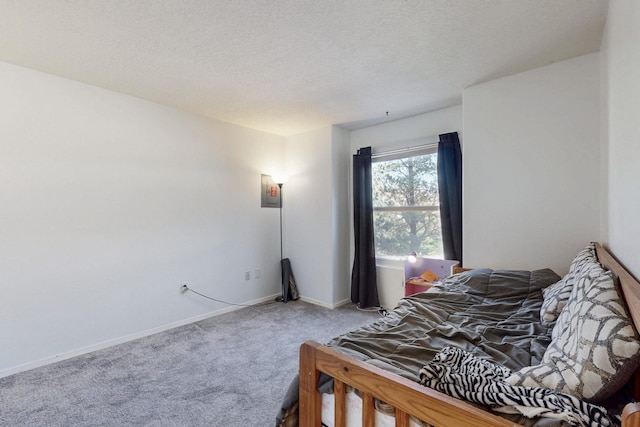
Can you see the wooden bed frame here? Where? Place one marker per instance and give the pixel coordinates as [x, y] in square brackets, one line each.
[412, 399]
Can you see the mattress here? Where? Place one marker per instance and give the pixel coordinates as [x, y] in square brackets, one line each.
[384, 417]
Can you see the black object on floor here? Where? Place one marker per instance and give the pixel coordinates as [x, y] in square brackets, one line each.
[289, 287]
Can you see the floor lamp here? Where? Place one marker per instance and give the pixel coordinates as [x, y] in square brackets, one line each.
[282, 298]
[280, 184]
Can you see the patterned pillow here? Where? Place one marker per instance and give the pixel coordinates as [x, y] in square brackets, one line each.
[585, 256]
[594, 348]
[555, 297]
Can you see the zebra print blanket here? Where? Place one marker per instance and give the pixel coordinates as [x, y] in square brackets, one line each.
[460, 374]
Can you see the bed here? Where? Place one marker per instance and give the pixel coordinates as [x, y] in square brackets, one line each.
[516, 324]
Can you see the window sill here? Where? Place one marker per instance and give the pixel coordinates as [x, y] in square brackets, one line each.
[389, 263]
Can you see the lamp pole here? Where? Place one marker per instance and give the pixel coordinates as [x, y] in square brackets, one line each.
[281, 252]
[281, 298]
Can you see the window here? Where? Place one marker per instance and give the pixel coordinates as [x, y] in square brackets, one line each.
[406, 210]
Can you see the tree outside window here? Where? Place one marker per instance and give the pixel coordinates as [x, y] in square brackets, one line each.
[406, 206]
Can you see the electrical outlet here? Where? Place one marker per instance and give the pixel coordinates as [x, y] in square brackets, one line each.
[183, 288]
[247, 275]
[258, 273]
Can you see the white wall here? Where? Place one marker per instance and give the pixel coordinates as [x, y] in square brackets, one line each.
[308, 212]
[621, 63]
[340, 215]
[396, 134]
[532, 179]
[109, 203]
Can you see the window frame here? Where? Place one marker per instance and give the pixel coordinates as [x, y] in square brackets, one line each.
[429, 148]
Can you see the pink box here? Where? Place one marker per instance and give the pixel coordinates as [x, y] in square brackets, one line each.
[440, 267]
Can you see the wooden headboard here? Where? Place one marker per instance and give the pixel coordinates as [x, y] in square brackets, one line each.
[631, 290]
[630, 286]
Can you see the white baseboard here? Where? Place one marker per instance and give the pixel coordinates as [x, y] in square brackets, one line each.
[126, 338]
[325, 304]
[343, 302]
[315, 302]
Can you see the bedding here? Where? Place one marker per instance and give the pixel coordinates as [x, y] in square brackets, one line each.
[492, 314]
[545, 351]
[464, 376]
[595, 348]
[557, 295]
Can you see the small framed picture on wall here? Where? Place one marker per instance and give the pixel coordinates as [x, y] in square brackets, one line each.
[270, 193]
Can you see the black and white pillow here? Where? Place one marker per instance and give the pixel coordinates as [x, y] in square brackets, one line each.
[555, 297]
[594, 348]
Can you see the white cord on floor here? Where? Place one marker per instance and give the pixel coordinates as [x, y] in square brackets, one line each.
[381, 311]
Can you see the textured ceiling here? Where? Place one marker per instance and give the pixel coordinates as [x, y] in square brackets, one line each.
[288, 66]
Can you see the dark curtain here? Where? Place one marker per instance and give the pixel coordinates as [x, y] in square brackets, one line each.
[450, 188]
[364, 288]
